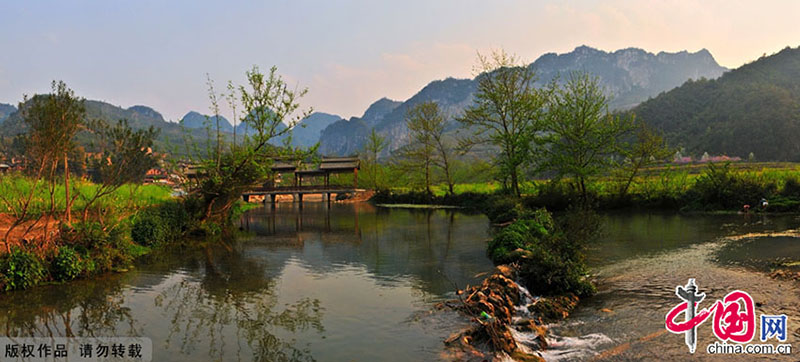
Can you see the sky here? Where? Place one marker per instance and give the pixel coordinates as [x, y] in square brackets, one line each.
[347, 53]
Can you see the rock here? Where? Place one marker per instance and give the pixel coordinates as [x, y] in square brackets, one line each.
[524, 357]
[505, 271]
[554, 308]
[496, 299]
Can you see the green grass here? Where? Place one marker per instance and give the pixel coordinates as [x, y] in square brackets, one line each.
[16, 187]
[666, 186]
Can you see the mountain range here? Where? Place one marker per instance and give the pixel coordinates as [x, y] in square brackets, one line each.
[754, 108]
[304, 134]
[629, 76]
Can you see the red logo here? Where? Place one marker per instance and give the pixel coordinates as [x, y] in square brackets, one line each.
[734, 316]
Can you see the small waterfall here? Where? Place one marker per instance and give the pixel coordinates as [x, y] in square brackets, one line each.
[559, 348]
[525, 300]
[575, 348]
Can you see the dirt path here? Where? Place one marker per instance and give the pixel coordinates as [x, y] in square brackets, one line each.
[32, 231]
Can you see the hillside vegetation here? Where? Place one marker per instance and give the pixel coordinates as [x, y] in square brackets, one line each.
[755, 108]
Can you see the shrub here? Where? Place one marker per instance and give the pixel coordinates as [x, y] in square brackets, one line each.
[20, 269]
[522, 234]
[148, 229]
[791, 188]
[555, 195]
[502, 209]
[67, 264]
[160, 224]
[106, 248]
[721, 188]
[549, 255]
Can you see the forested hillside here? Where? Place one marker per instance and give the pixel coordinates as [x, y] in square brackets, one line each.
[755, 108]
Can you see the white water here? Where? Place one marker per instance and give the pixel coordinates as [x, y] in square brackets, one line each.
[559, 348]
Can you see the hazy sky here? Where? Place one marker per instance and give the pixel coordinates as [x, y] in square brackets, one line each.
[348, 53]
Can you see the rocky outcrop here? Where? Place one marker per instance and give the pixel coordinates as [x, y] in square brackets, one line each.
[501, 311]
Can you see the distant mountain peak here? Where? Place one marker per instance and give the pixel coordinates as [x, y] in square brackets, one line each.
[630, 75]
[146, 112]
[194, 119]
[377, 110]
[6, 110]
[749, 109]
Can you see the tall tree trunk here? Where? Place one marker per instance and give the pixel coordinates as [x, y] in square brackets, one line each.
[68, 211]
[584, 198]
[514, 182]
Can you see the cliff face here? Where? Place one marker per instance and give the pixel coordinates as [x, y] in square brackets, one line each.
[630, 75]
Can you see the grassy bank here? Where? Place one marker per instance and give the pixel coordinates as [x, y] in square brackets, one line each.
[127, 197]
[694, 187]
[122, 226]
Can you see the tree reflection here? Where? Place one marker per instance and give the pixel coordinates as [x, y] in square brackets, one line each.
[235, 302]
[80, 309]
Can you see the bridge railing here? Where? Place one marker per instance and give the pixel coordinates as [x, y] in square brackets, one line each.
[306, 188]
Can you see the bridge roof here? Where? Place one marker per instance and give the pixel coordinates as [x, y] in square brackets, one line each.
[347, 165]
[283, 166]
[340, 159]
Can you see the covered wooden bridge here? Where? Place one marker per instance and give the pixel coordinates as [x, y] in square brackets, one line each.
[317, 181]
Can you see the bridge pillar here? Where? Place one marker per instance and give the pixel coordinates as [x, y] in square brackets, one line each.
[246, 198]
[271, 199]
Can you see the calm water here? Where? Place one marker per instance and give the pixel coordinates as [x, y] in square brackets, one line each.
[643, 257]
[348, 283]
[356, 283]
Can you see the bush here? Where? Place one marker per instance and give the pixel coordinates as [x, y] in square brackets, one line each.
[522, 234]
[501, 209]
[105, 249]
[549, 256]
[791, 189]
[160, 224]
[20, 269]
[148, 230]
[721, 188]
[555, 195]
[67, 264]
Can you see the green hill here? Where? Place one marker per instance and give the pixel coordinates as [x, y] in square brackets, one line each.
[755, 108]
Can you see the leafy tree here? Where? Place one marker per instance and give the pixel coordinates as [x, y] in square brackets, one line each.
[508, 113]
[374, 146]
[648, 147]
[53, 120]
[583, 134]
[126, 157]
[270, 110]
[427, 123]
[419, 154]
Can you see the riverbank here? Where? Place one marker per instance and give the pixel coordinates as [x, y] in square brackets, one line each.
[319, 282]
[123, 227]
[709, 187]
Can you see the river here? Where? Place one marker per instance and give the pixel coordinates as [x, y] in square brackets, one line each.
[357, 283]
[640, 260]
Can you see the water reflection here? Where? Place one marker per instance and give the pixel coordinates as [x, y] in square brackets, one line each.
[633, 234]
[317, 283]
